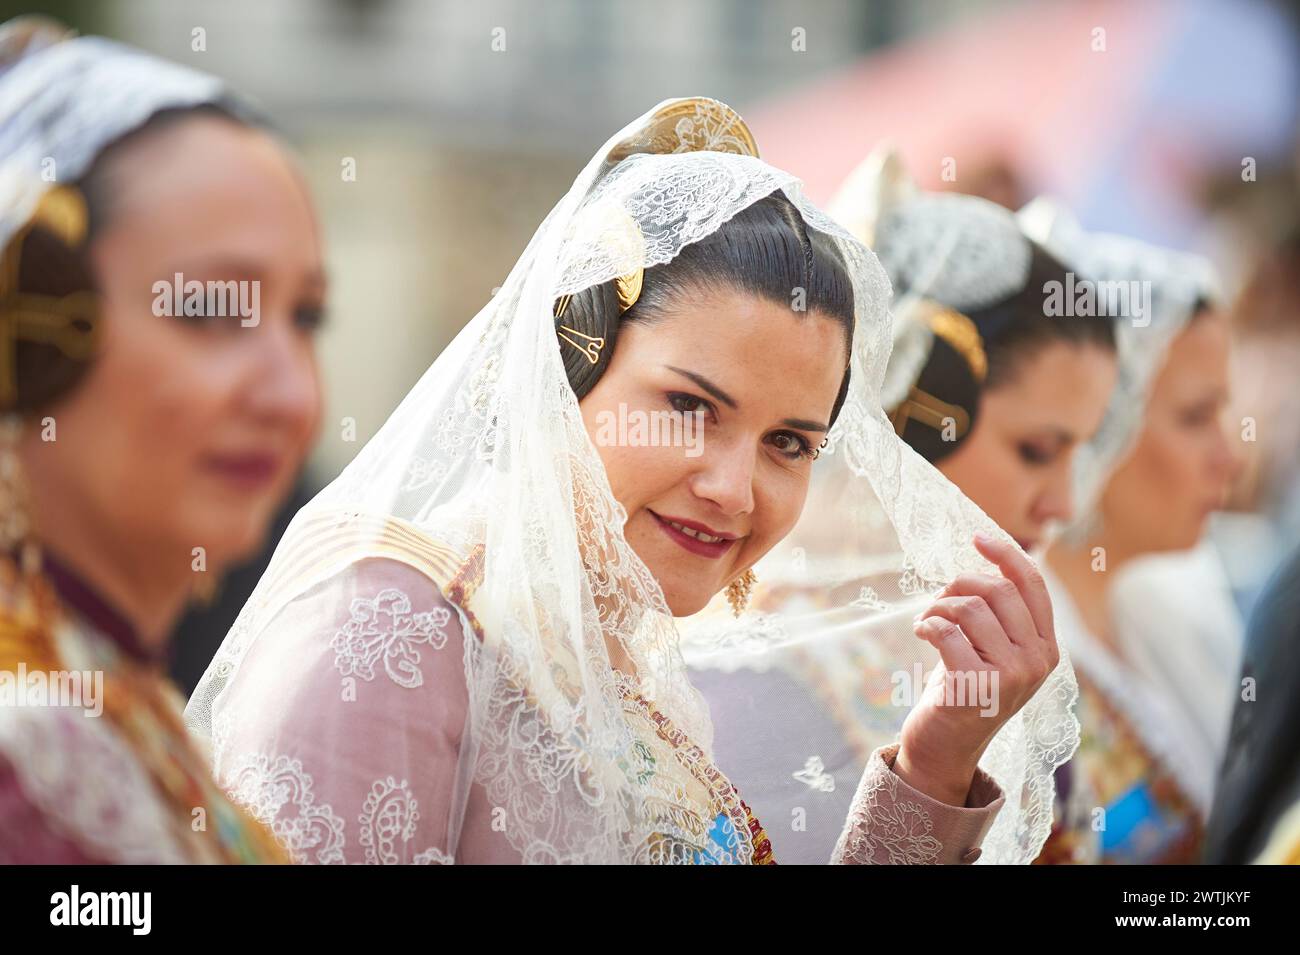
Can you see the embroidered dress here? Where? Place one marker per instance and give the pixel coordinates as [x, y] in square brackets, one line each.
[389, 699]
[95, 762]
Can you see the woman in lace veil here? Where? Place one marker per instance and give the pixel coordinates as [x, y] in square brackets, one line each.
[990, 388]
[128, 431]
[1155, 644]
[465, 648]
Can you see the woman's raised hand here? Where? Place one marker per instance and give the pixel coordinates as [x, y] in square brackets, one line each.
[996, 639]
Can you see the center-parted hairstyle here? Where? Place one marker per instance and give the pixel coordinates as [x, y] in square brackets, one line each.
[766, 250]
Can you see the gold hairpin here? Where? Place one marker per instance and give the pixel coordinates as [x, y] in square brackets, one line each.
[927, 409]
[591, 349]
[959, 331]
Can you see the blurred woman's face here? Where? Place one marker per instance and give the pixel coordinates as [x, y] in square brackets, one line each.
[764, 379]
[1016, 461]
[1183, 462]
[188, 431]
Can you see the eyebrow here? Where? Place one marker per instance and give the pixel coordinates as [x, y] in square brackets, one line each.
[224, 265]
[801, 423]
[707, 385]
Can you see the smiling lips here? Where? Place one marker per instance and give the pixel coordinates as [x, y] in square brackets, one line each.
[696, 537]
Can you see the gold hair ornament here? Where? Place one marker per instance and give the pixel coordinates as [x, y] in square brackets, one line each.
[621, 236]
[961, 333]
[60, 321]
[688, 124]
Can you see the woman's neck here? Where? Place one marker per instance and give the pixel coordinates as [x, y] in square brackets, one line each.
[150, 603]
[145, 583]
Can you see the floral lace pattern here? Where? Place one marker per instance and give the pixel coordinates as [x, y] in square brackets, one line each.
[886, 830]
[278, 793]
[385, 629]
[890, 823]
[388, 817]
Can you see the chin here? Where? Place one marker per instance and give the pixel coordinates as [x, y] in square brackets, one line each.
[686, 600]
[684, 605]
[232, 540]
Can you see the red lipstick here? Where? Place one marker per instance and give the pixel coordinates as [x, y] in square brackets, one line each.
[687, 533]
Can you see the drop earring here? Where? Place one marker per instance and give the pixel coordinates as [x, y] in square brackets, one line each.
[738, 591]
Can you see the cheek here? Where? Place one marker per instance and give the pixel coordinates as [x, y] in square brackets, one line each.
[1148, 489]
[1163, 465]
[990, 472]
[164, 390]
[637, 473]
[779, 500]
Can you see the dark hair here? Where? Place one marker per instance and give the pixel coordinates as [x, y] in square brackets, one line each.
[49, 268]
[1012, 331]
[765, 250]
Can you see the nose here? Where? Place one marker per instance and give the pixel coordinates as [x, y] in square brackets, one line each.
[1056, 503]
[1226, 459]
[282, 381]
[726, 477]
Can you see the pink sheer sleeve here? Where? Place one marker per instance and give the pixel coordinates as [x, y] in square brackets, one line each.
[342, 729]
[891, 823]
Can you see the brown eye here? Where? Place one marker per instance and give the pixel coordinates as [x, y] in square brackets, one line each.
[685, 403]
[792, 445]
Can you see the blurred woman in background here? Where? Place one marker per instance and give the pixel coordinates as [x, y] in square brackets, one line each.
[162, 284]
[1156, 650]
[985, 381]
